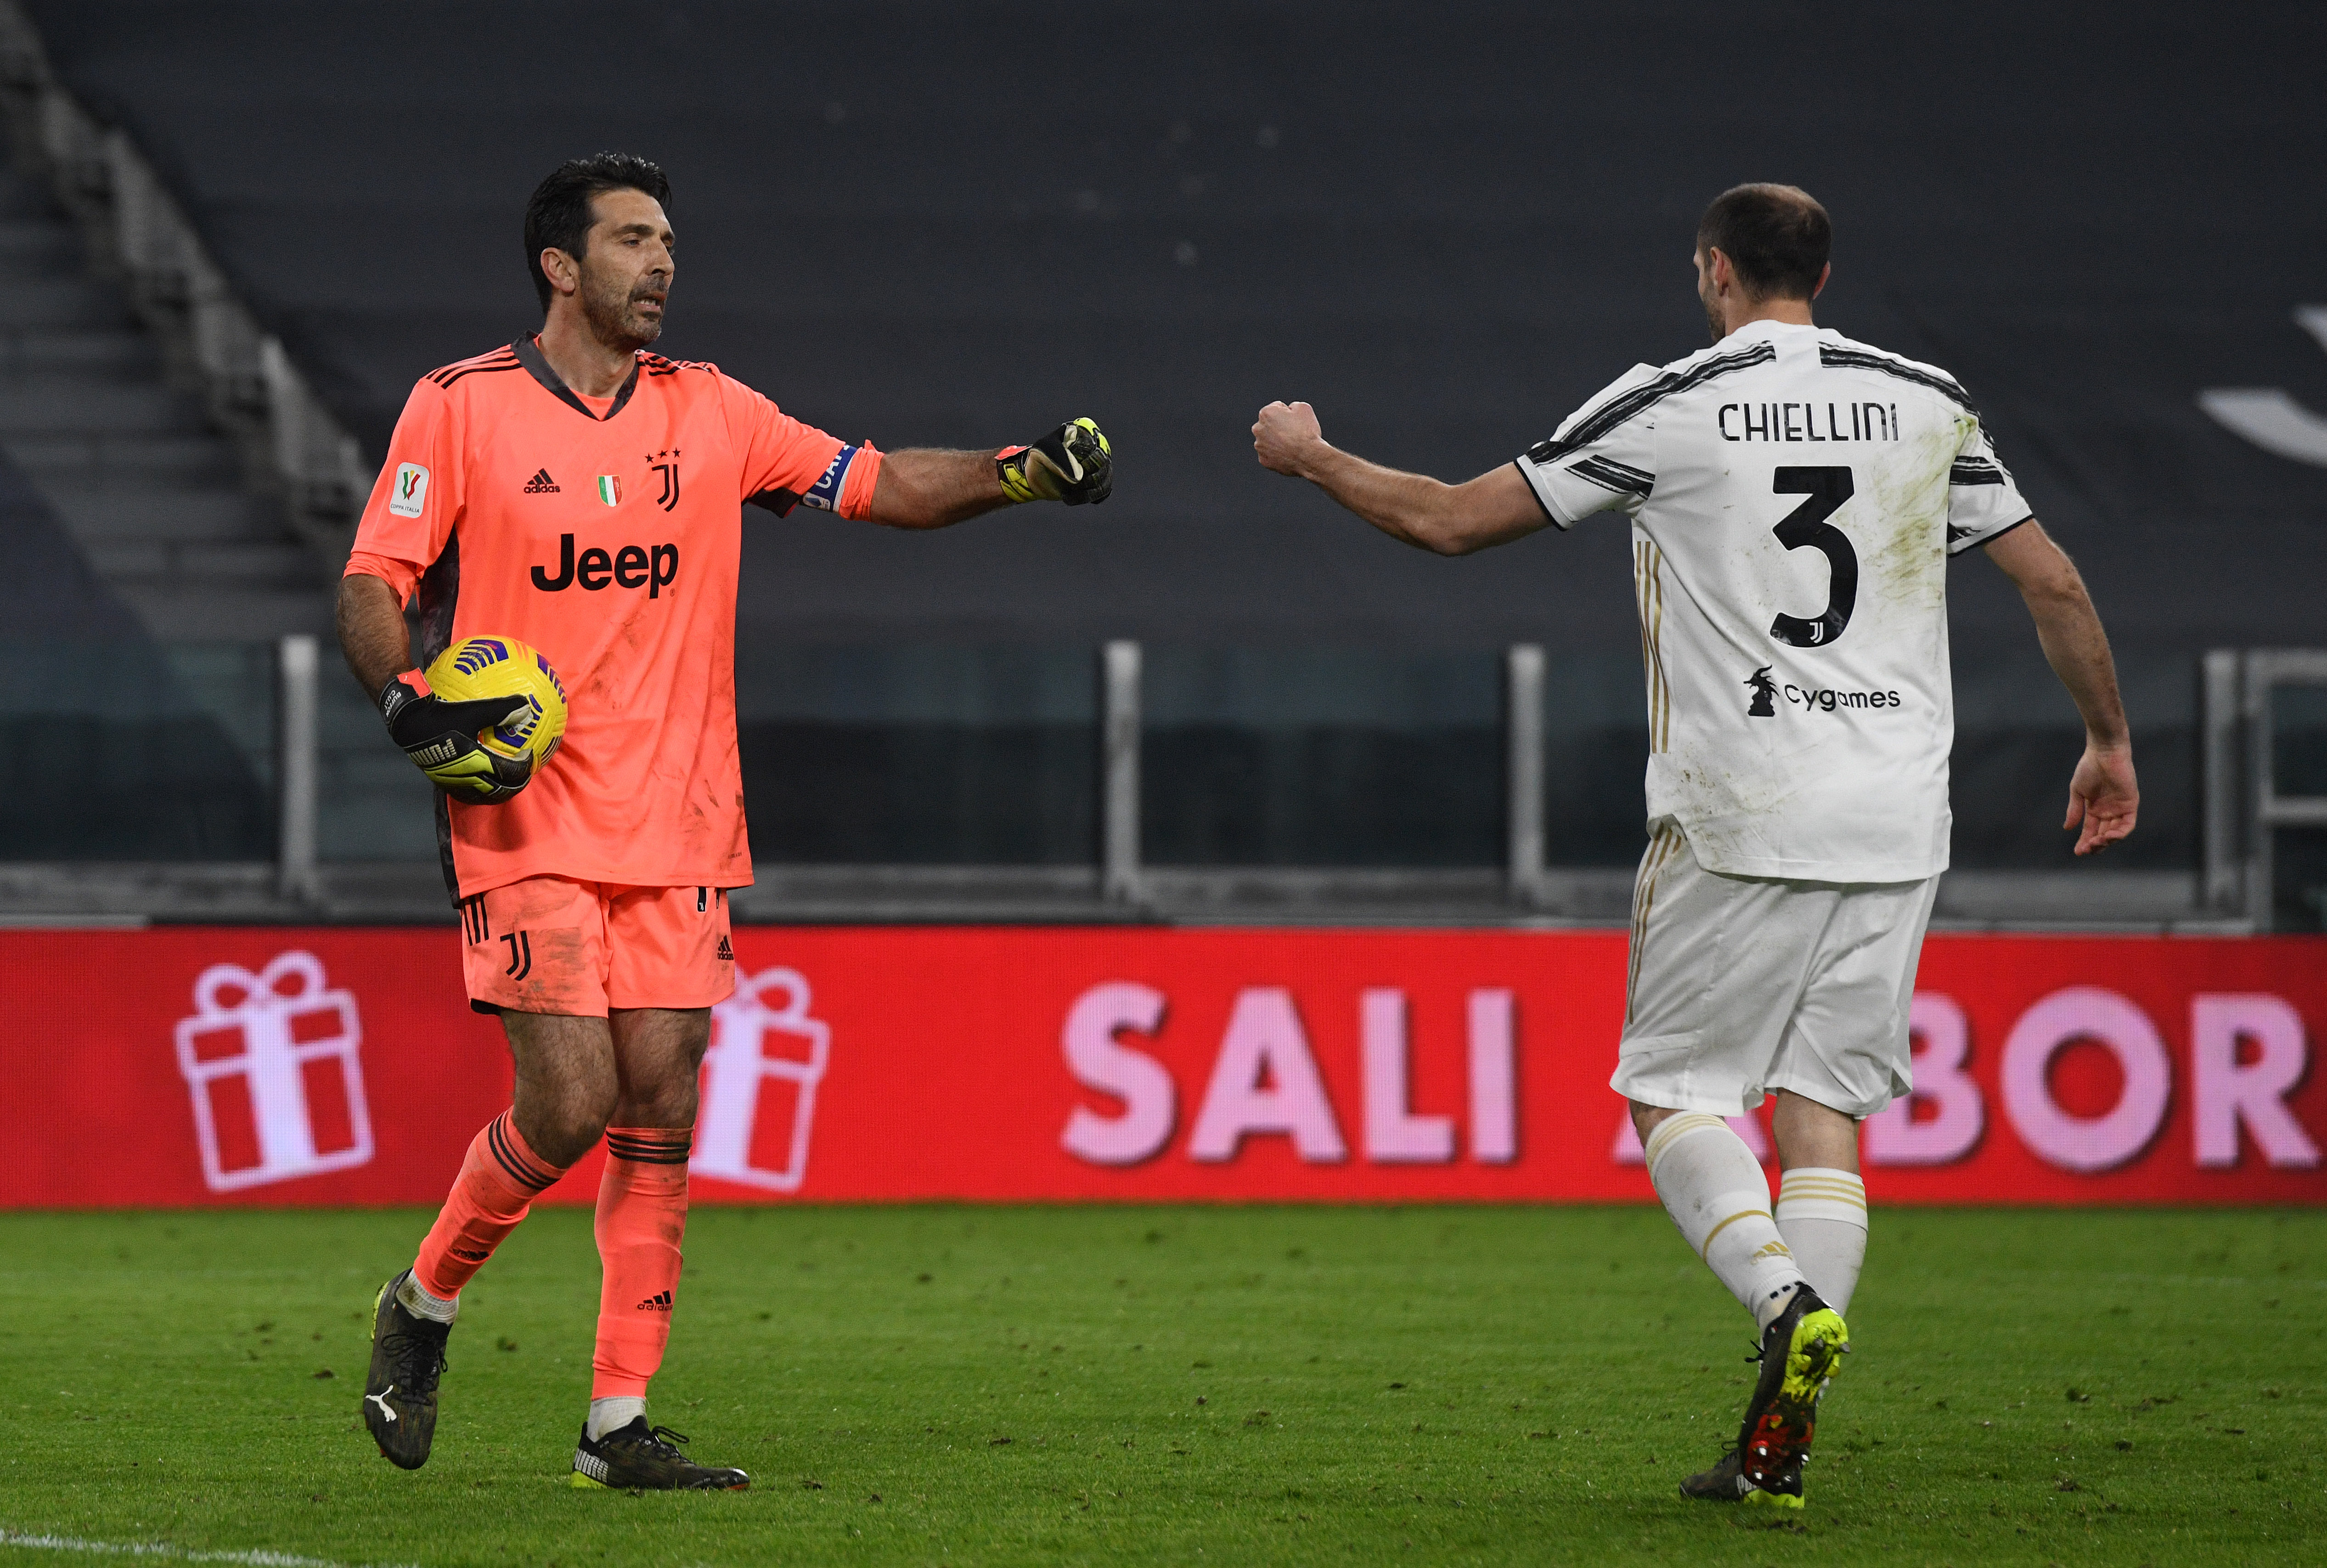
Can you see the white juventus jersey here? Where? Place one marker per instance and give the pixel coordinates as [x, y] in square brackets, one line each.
[1794, 498]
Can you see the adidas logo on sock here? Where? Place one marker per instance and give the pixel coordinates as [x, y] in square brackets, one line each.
[726, 953]
[657, 1302]
[541, 484]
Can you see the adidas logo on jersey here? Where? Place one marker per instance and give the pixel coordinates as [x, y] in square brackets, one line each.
[541, 484]
[726, 953]
[657, 1302]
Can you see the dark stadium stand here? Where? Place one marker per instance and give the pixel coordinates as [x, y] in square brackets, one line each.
[104, 755]
[953, 224]
[123, 456]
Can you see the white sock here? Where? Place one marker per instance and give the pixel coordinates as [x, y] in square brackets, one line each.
[1715, 1190]
[415, 1299]
[613, 1412]
[1822, 1214]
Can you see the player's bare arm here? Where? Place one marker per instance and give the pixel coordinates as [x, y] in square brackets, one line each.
[1446, 519]
[927, 488]
[2104, 797]
[372, 635]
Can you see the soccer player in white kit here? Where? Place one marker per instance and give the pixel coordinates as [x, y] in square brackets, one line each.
[1794, 498]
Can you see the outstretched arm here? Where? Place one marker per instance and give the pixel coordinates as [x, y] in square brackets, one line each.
[924, 488]
[1448, 520]
[2104, 797]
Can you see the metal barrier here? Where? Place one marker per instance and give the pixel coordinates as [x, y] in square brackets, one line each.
[2239, 687]
[2231, 890]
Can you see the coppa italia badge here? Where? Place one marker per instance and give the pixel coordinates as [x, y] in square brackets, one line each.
[758, 1084]
[272, 1062]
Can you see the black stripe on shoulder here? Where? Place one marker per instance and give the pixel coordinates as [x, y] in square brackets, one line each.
[1631, 404]
[1609, 474]
[1969, 471]
[498, 359]
[1838, 359]
[1962, 539]
[474, 370]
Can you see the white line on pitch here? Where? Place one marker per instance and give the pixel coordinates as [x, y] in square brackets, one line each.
[163, 1549]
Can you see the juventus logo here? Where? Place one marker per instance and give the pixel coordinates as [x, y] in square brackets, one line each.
[521, 946]
[669, 499]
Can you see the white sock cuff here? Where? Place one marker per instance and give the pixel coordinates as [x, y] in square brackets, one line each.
[1673, 1129]
[613, 1412]
[1817, 1192]
[417, 1300]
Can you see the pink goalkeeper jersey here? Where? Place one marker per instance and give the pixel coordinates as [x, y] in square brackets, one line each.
[608, 538]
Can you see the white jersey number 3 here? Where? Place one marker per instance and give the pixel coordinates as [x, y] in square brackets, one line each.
[1806, 528]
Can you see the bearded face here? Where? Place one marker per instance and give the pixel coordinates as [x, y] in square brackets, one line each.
[622, 305]
[624, 272]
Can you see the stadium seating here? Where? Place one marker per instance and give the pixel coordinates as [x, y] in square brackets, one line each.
[879, 204]
[954, 224]
[105, 751]
[152, 496]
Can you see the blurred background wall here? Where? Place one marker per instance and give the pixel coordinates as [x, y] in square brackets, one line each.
[1446, 226]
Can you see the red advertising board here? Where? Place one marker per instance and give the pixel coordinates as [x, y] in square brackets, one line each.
[282, 1066]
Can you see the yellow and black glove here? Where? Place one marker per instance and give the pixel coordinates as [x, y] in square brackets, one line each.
[441, 739]
[1074, 464]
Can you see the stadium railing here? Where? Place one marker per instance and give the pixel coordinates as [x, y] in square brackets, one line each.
[249, 782]
[2266, 737]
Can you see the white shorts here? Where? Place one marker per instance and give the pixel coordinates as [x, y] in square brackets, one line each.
[1740, 985]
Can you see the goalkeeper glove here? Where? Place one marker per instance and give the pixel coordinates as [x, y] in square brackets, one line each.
[441, 739]
[1074, 464]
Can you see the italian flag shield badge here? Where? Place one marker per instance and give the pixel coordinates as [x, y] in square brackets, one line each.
[610, 489]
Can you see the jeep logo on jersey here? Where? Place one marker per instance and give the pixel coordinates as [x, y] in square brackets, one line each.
[630, 566]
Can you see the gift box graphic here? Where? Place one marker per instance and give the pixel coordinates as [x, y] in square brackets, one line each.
[272, 1062]
[760, 1077]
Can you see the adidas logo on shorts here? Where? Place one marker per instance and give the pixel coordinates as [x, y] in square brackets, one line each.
[726, 953]
[657, 1302]
[541, 484]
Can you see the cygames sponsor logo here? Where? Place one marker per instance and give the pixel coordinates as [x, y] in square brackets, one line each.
[1766, 692]
[1828, 700]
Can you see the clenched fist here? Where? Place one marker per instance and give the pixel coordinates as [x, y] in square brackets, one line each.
[1285, 437]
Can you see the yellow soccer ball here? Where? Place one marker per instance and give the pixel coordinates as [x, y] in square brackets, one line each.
[502, 667]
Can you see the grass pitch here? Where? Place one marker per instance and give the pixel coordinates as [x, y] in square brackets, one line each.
[1181, 1385]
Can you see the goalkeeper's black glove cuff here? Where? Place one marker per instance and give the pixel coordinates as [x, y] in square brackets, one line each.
[1072, 464]
[441, 739]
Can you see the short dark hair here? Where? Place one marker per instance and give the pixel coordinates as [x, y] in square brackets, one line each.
[1777, 237]
[558, 216]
